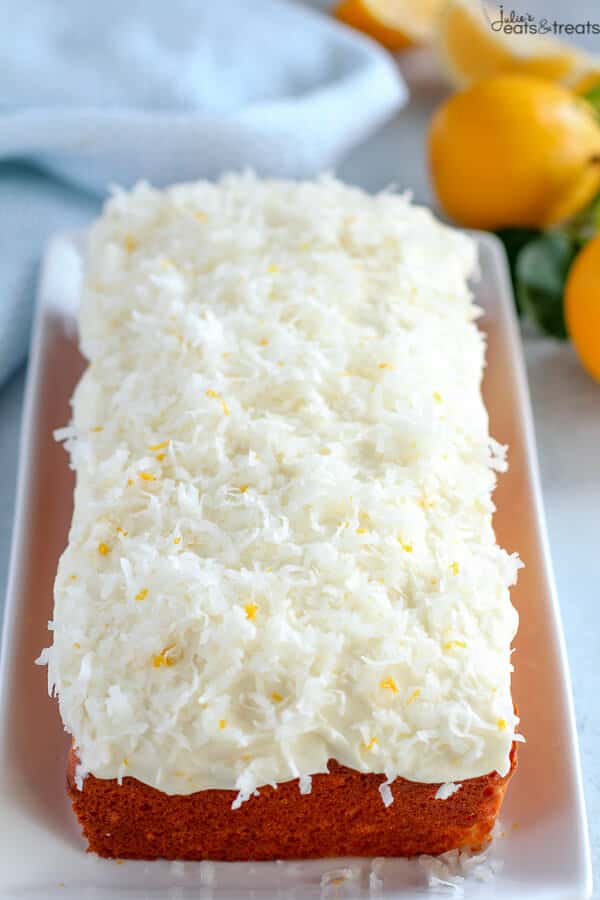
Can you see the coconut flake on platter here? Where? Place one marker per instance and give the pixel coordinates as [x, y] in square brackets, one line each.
[452, 870]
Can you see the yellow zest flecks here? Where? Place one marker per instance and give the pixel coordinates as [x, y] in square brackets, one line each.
[163, 659]
[77, 645]
[200, 216]
[455, 568]
[215, 396]
[129, 482]
[361, 530]
[416, 693]
[272, 268]
[264, 342]
[408, 548]
[73, 577]
[304, 246]
[385, 365]
[437, 397]
[450, 644]
[130, 242]
[146, 476]
[243, 488]
[161, 446]
[501, 723]
[370, 745]
[177, 540]
[160, 457]
[276, 697]
[222, 723]
[251, 609]
[141, 595]
[325, 451]
[424, 503]
[389, 684]
[125, 761]
[97, 428]
[103, 549]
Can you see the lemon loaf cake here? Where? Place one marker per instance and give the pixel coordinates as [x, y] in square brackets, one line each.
[282, 622]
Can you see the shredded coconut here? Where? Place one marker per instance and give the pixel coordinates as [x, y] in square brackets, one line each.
[447, 790]
[281, 448]
[453, 869]
[340, 882]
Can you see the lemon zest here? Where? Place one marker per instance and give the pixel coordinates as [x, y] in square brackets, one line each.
[251, 609]
[216, 396]
[389, 684]
[163, 658]
[450, 644]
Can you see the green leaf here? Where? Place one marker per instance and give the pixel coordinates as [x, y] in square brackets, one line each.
[541, 270]
[514, 239]
[592, 95]
[584, 226]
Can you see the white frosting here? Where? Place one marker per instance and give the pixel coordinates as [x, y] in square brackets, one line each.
[281, 550]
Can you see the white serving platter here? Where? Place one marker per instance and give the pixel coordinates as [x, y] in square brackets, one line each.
[543, 847]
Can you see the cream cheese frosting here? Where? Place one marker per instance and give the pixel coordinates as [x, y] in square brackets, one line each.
[282, 548]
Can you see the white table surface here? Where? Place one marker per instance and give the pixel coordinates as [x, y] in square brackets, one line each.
[566, 405]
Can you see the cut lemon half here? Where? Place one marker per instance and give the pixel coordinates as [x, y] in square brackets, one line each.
[473, 43]
[394, 23]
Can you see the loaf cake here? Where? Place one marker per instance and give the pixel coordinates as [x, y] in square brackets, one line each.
[282, 622]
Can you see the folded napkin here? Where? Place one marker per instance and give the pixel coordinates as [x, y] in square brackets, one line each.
[95, 94]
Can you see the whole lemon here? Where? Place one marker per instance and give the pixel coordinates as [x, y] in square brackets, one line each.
[514, 150]
[582, 306]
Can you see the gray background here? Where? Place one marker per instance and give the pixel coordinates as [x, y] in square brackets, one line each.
[566, 406]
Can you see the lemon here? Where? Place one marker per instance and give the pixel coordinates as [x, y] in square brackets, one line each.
[394, 23]
[514, 150]
[470, 49]
[582, 306]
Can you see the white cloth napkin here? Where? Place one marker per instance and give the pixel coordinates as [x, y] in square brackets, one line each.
[112, 92]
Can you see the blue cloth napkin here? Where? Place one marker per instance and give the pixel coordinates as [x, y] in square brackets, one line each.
[94, 94]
